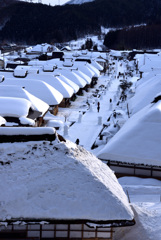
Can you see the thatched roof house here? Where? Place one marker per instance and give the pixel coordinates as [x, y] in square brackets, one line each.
[55, 189]
[135, 149]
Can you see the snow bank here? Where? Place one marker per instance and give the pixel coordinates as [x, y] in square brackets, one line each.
[147, 225]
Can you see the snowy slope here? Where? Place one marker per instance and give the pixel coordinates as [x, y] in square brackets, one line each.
[79, 1]
[58, 180]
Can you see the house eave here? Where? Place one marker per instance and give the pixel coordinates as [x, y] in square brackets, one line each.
[88, 222]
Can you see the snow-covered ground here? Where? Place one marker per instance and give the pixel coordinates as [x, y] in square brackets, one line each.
[145, 198]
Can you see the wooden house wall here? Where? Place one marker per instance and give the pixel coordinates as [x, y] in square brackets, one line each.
[138, 170]
[56, 231]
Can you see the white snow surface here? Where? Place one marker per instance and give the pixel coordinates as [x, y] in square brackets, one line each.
[19, 92]
[8, 107]
[138, 141]
[144, 195]
[26, 131]
[56, 83]
[58, 181]
[38, 88]
[145, 93]
[2, 121]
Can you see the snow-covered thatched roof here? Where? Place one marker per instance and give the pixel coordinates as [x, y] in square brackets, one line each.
[14, 107]
[97, 65]
[82, 75]
[56, 83]
[84, 68]
[38, 88]
[145, 93]
[94, 69]
[72, 76]
[59, 181]
[138, 141]
[19, 92]
[20, 72]
[69, 82]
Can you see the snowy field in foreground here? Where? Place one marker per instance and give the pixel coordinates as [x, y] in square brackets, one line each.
[145, 198]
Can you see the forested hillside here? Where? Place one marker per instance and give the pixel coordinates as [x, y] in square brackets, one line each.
[32, 23]
[143, 37]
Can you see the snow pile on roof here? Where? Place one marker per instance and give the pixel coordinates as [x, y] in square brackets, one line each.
[68, 63]
[19, 92]
[2, 121]
[138, 141]
[26, 131]
[20, 72]
[145, 93]
[72, 76]
[26, 69]
[38, 88]
[83, 75]
[84, 68]
[69, 82]
[97, 65]
[14, 107]
[44, 47]
[58, 181]
[54, 82]
[48, 68]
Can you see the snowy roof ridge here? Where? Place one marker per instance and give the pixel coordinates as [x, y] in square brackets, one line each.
[62, 182]
[39, 89]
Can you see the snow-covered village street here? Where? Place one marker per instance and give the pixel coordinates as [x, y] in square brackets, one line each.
[77, 128]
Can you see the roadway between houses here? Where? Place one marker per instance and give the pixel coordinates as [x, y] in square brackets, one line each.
[88, 129]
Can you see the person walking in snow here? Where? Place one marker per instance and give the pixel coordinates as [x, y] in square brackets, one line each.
[114, 114]
[98, 106]
[77, 141]
[88, 104]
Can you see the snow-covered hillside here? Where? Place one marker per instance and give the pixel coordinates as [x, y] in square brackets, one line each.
[79, 1]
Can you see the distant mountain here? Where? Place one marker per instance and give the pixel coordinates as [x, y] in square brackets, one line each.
[30, 23]
[142, 37]
[79, 1]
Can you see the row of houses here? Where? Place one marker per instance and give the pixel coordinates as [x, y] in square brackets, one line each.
[52, 188]
[135, 149]
[56, 82]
